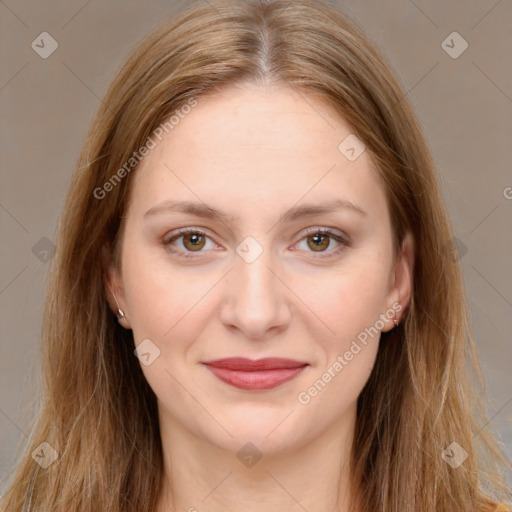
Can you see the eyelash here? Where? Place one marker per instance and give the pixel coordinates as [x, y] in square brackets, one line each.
[310, 232]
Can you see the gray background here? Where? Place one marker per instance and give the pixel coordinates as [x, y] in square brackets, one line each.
[464, 105]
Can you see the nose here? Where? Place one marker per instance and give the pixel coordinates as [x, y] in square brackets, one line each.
[256, 300]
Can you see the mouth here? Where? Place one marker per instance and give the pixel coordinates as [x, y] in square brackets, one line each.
[258, 374]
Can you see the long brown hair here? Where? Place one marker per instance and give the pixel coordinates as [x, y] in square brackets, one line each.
[99, 413]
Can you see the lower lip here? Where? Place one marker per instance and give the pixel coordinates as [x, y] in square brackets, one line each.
[255, 380]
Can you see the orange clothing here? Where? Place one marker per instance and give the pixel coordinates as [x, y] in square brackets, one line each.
[501, 508]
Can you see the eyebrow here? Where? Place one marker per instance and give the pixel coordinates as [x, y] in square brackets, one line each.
[294, 213]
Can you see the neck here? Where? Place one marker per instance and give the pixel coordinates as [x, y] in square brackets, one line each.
[200, 476]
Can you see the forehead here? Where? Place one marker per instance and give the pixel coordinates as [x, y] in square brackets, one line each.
[257, 146]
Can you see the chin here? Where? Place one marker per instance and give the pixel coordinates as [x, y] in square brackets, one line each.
[270, 429]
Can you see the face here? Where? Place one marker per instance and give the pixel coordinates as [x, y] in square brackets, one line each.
[250, 234]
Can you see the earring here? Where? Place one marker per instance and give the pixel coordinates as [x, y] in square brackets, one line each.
[120, 313]
[395, 320]
[121, 318]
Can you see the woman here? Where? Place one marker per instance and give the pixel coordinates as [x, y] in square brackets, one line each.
[254, 301]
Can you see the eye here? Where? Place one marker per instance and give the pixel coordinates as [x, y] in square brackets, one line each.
[318, 240]
[193, 241]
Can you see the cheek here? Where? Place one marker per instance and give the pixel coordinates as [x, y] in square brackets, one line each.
[345, 302]
[161, 299]
[350, 304]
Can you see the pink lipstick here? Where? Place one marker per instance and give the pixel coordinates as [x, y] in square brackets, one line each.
[249, 374]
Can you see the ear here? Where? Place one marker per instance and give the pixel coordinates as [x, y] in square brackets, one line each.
[399, 296]
[114, 289]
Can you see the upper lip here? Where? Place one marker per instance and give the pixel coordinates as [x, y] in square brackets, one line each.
[251, 365]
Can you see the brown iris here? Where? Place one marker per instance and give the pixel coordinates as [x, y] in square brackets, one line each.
[193, 241]
[320, 242]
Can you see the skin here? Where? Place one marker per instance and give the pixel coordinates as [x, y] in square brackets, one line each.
[254, 152]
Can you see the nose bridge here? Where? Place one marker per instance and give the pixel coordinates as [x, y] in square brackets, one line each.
[256, 298]
[256, 278]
